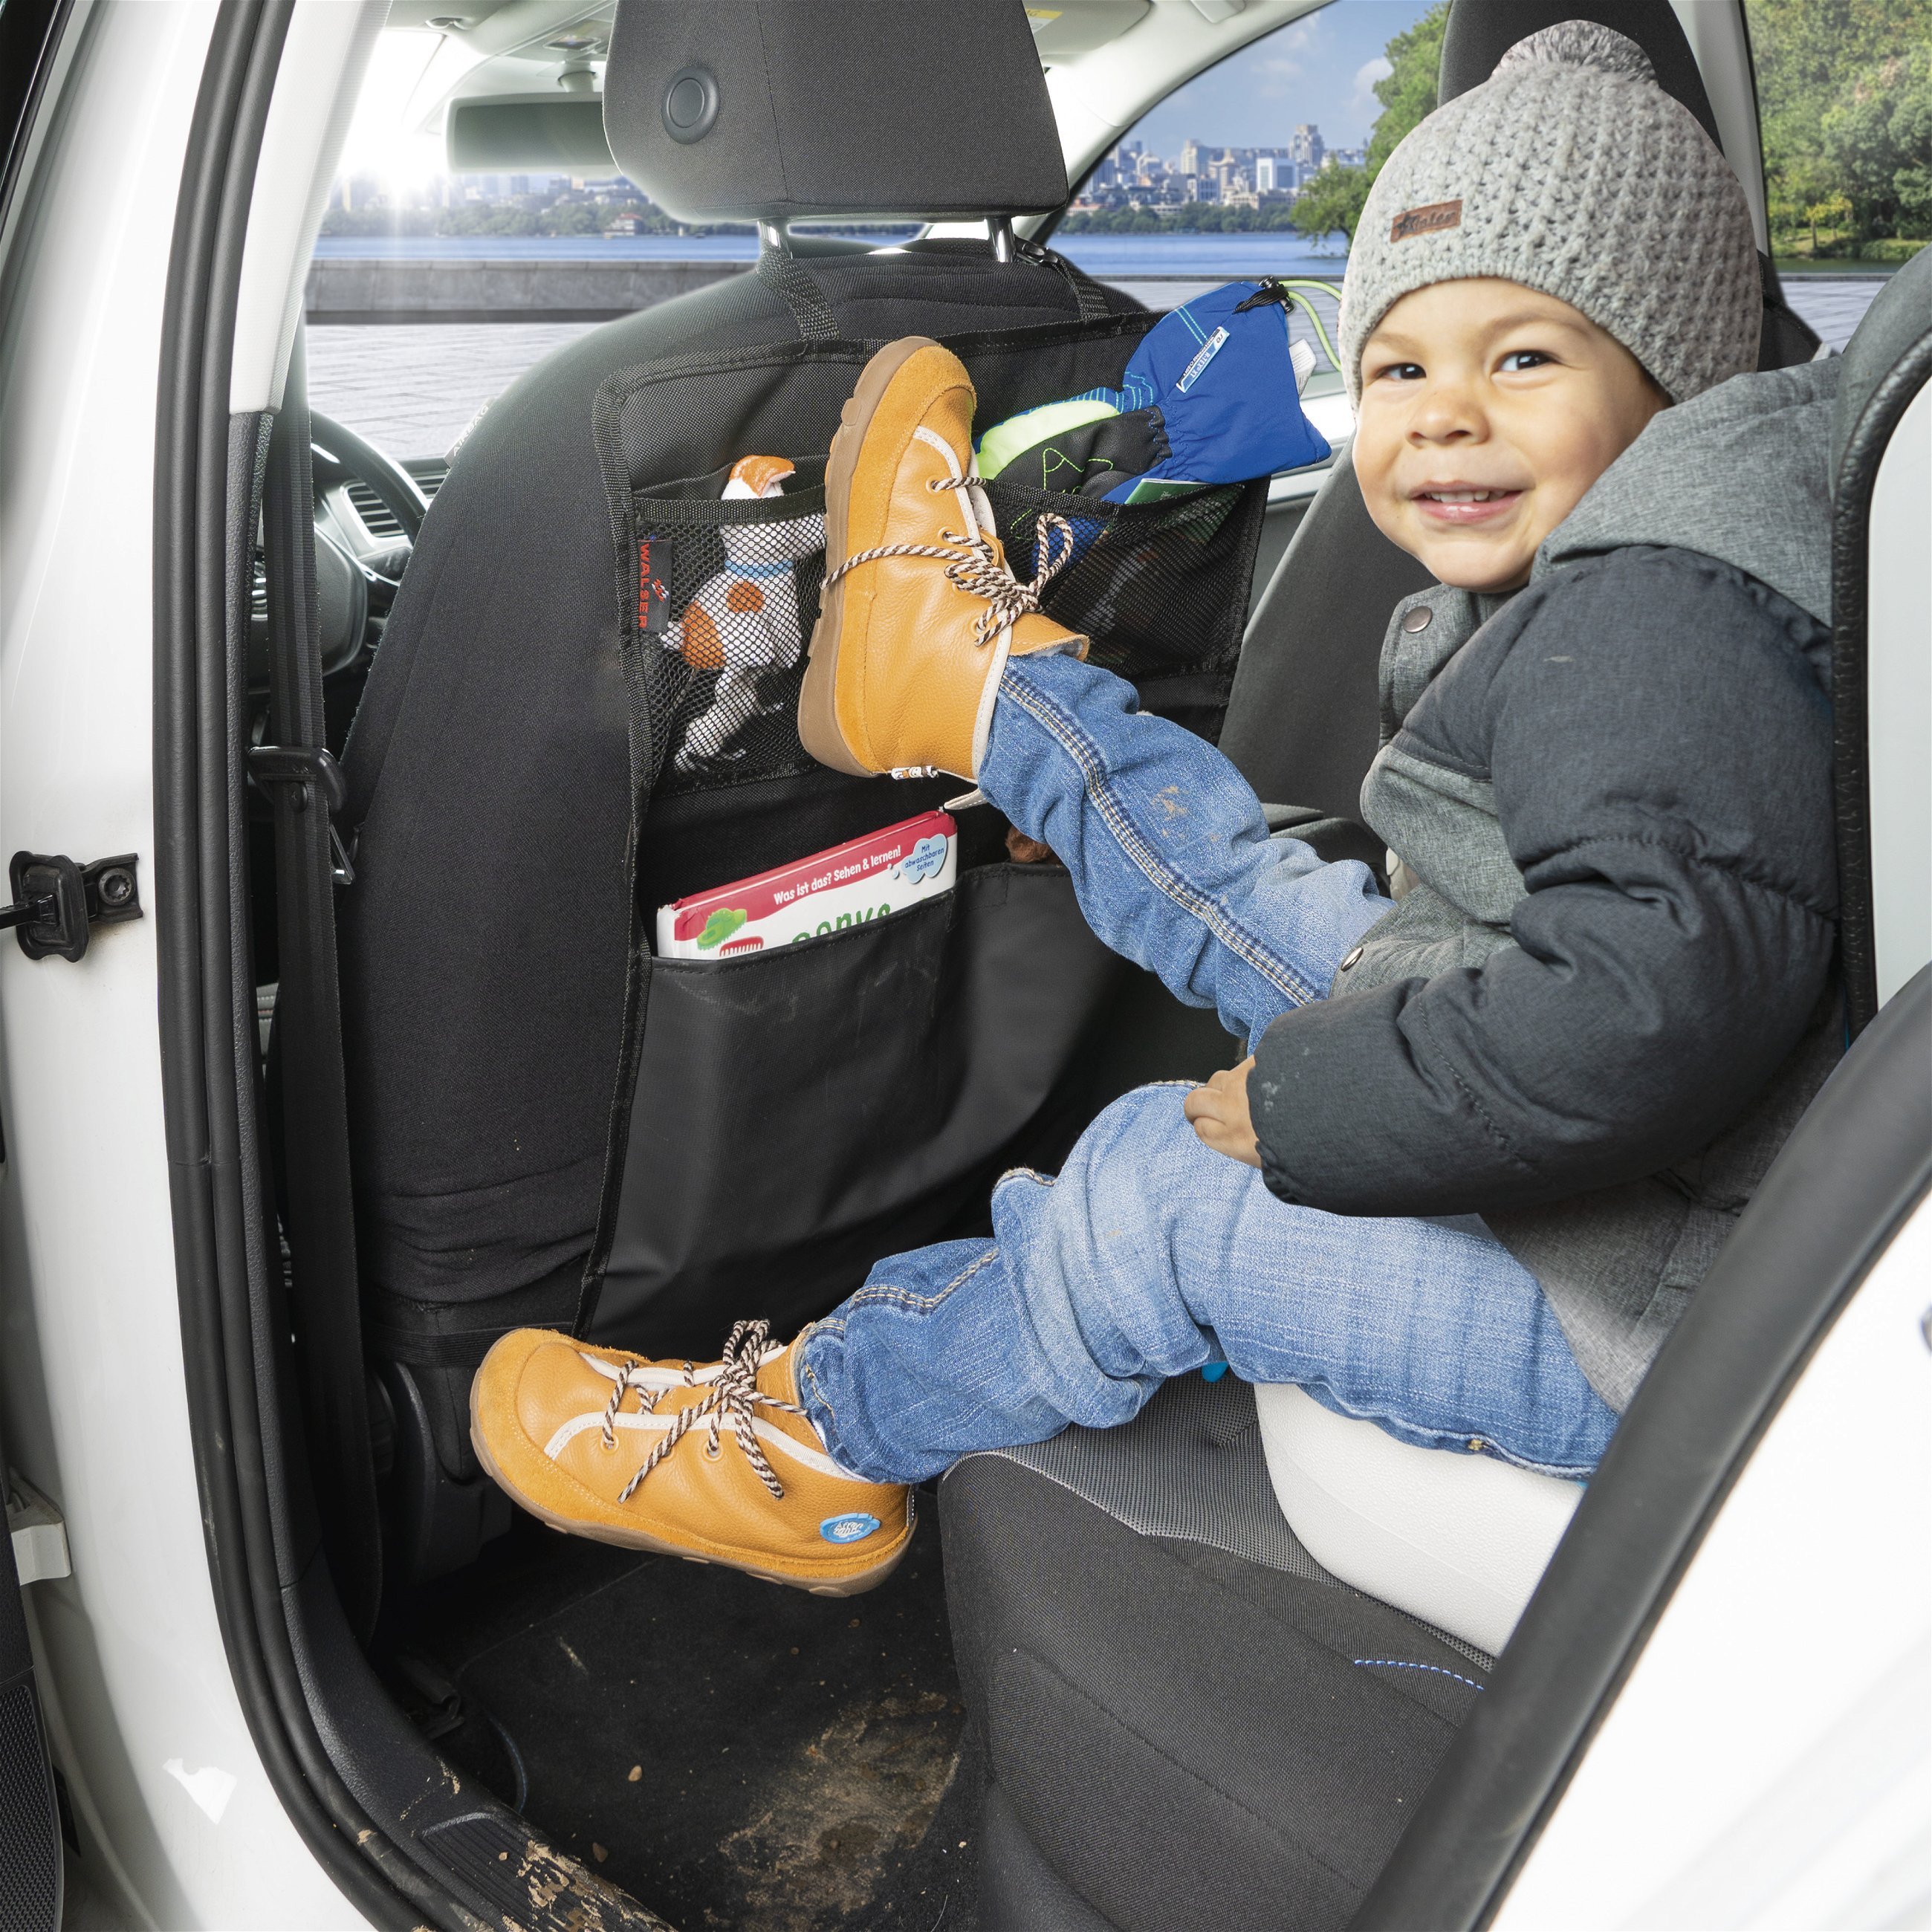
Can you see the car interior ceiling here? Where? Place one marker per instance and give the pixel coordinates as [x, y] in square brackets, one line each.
[986, 1738]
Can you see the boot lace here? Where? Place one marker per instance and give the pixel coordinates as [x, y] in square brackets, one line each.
[732, 1401]
[973, 566]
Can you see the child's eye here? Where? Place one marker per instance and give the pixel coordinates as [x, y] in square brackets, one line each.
[1401, 372]
[1518, 360]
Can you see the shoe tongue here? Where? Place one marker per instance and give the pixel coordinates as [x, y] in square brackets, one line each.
[776, 1375]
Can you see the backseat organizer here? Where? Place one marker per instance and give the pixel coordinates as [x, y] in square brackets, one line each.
[769, 1125]
[797, 1115]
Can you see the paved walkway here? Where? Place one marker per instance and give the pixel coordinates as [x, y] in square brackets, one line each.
[413, 389]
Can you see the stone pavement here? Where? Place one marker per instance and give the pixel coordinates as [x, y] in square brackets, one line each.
[412, 389]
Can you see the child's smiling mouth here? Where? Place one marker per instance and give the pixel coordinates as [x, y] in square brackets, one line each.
[1461, 504]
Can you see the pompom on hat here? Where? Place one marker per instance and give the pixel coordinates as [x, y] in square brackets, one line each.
[1571, 171]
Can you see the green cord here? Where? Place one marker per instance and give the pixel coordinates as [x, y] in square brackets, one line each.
[1302, 302]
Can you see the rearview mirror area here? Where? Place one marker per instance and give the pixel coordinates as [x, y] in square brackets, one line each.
[506, 131]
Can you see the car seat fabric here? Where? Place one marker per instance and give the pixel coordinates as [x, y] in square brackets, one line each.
[1304, 718]
[1242, 1750]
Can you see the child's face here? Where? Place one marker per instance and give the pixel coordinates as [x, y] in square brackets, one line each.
[1487, 410]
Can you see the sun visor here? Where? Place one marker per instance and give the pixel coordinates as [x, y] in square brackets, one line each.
[778, 109]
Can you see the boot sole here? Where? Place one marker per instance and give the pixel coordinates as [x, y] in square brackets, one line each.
[851, 1585]
[817, 699]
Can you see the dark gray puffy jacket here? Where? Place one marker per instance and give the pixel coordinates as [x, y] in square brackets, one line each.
[1606, 992]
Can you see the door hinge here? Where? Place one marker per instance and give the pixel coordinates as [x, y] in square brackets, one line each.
[39, 1533]
[57, 903]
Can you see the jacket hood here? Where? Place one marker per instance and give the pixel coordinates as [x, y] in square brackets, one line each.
[1742, 473]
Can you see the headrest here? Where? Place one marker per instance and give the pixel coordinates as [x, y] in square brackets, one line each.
[1480, 32]
[776, 109]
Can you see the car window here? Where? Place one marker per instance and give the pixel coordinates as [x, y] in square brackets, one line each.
[1260, 166]
[1845, 109]
[430, 290]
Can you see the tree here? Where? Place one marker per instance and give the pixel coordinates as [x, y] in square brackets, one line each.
[1878, 138]
[1407, 91]
[1845, 101]
[1332, 200]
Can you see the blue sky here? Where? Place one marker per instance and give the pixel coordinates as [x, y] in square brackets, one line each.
[1319, 68]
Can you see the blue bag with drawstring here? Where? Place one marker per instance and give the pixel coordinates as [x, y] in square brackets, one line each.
[1212, 395]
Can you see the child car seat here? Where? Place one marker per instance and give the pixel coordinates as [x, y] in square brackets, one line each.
[547, 1125]
[1335, 1608]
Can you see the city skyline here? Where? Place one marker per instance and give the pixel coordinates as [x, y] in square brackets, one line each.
[1322, 67]
[1134, 174]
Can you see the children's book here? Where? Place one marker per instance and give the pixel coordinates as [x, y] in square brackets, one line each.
[865, 879]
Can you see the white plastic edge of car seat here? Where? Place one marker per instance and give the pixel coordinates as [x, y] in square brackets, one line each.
[1459, 1540]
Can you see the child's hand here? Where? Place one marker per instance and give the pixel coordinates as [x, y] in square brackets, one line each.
[1219, 1113]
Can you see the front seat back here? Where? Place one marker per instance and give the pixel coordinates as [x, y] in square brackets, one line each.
[495, 989]
[1304, 720]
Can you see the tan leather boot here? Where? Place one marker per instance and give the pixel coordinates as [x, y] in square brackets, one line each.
[919, 612]
[718, 1464]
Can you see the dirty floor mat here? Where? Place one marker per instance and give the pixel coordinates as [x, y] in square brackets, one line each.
[732, 1753]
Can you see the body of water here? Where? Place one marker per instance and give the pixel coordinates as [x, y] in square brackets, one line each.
[1104, 255]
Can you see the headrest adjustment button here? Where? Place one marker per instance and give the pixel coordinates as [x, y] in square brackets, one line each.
[690, 104]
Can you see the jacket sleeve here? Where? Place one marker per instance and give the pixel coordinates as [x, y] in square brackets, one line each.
[1659, 744]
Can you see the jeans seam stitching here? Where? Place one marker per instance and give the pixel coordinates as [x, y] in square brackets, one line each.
[877, 1292]
[1197, 904]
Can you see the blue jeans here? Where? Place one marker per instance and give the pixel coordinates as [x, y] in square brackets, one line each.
[1150, 1255]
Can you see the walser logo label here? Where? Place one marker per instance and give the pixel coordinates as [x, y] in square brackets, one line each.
[1430, 221]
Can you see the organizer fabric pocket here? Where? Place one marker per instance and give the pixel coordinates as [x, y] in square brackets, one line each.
[805, 1112]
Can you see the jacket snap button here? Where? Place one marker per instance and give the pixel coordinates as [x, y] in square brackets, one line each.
[1351, 958]
[1417, 619]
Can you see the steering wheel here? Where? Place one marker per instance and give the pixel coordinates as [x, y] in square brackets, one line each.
[348, 591]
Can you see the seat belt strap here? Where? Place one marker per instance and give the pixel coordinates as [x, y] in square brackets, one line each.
[304, 786]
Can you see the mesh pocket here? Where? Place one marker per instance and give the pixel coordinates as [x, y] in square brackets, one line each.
[727, 593]
[1161, 588]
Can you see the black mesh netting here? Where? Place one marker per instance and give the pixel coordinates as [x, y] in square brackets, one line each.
[727, 595]
[1161, 588]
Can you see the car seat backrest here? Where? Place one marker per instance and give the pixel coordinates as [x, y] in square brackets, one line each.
[1303, 721]
[770, 110]
[500, 784]
[1478, 35]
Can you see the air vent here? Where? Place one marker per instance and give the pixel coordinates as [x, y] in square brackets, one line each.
[378, 519]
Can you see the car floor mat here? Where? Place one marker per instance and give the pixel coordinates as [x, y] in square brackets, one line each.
[729, 1753]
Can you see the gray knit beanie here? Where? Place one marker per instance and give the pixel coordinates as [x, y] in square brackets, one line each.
[1571, 171]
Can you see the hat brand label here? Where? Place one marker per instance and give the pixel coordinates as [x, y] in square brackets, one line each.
[1432, 220]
